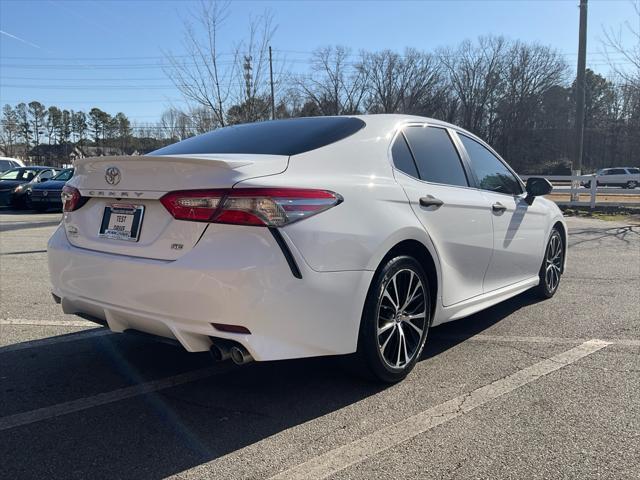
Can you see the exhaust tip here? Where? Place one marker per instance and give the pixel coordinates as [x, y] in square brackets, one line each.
[240, 355]
[219, 352]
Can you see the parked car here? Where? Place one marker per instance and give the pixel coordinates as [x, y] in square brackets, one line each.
[46, 195]
[15, 182]
[7, 163]
[305, 237]
[625, 177]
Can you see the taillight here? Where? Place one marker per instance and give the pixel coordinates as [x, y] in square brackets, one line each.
[265, 207]
[71, 199]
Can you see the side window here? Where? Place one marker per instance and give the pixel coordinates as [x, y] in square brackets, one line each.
[402, 158]
[491, 173]
[435, 155]
[617, 171]
[46, 175]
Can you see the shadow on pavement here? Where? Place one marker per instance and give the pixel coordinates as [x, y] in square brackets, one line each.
[164, 433]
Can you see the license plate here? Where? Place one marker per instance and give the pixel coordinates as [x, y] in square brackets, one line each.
[122, 222]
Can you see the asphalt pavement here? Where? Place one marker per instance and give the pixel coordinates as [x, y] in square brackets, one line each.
[527, 389]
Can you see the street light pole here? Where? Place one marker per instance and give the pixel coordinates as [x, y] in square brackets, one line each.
[576, 167]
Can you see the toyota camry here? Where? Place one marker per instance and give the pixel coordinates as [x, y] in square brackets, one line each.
[305, 237]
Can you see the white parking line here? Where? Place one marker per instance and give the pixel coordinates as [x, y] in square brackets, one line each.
[47, 323]
[359, 450]
[45, 413]
[72, 337]
[627, 342]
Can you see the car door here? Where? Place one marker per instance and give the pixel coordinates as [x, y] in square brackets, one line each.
[455, 216]
[519, 228]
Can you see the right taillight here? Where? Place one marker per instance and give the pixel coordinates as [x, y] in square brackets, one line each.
[263, 207]
[71, 199]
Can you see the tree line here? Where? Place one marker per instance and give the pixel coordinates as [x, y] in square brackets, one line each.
[518, 96]
[30, 130]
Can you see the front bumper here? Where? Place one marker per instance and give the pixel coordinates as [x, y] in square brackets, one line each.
[226, 278]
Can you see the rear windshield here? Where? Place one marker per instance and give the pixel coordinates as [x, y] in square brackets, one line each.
[276, 137]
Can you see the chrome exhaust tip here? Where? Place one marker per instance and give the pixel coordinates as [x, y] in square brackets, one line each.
[220, 352]
[240, 355]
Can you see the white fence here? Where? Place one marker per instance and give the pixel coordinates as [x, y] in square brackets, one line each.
[574, 186]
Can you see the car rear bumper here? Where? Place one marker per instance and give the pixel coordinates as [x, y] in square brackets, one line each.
[227, 279]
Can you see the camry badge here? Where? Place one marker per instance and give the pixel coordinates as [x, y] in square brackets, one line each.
[112, 175]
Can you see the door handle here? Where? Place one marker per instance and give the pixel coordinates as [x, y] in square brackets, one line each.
[498, 207]
[430, 201]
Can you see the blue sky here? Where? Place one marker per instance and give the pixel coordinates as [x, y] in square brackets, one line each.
[57, 51]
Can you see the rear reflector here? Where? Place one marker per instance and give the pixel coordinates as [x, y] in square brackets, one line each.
[265, 207]
[230, 328]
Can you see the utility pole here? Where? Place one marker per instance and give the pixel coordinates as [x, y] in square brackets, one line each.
[273, 102]
[576, 167]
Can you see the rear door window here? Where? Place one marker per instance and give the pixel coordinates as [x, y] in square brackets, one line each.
[436, 157]
[491, 173]
[402, 158]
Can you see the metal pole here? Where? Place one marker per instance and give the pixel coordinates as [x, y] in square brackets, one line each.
[273, 102]
[582, 58]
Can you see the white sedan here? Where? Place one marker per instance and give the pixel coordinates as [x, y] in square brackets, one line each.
[305, 237]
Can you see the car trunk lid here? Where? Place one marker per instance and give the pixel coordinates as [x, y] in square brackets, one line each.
[136, 183]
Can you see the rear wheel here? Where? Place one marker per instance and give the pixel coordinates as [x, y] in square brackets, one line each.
[552, 265]
[395, 320]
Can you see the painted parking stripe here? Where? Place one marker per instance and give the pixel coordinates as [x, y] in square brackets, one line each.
[43, 342]
[359, 450]
[47, 323]
[627, 342]
[46, 413]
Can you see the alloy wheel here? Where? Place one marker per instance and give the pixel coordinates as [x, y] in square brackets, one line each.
[402, 318]
[553, 262]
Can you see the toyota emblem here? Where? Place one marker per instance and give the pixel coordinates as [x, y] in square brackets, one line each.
[112, 175]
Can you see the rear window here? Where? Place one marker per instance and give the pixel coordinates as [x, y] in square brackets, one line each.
[6, 165]
[275, 137]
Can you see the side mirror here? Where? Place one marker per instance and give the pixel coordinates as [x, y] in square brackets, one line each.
[536, 187]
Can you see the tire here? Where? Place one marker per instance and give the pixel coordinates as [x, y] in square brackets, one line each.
[394, 328]
[552, 265]
[631, 184]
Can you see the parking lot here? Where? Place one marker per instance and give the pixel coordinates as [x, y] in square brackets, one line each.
[526, 389]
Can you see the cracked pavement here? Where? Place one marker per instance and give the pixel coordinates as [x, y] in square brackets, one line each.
[578, 421]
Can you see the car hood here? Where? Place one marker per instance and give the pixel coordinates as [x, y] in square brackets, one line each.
[5, 184]
[50, 185]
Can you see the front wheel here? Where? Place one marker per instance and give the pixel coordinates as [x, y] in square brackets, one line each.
[631, 184]
[395, 320]
[552, 265]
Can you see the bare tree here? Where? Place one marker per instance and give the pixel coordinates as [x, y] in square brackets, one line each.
[400, 83]
[336, 86]
[614, 45]
[475, 74]
[10, 131]
[199, 74]
[251, 93]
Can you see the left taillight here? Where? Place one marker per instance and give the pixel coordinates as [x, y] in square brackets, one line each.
[71, 199]
[264, 207]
